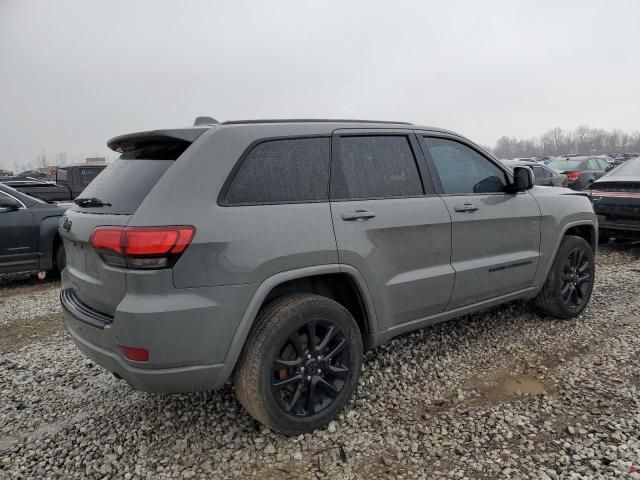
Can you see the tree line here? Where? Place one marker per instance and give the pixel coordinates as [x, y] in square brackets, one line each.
[583, 140]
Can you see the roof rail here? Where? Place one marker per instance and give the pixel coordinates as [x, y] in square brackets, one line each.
[311, 120]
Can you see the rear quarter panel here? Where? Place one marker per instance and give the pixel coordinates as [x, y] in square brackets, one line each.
[560, 209]
[235, 244]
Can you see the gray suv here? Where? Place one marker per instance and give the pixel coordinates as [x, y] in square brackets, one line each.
[274, 252]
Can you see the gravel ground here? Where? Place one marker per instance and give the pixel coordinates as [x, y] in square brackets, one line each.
[501, 394]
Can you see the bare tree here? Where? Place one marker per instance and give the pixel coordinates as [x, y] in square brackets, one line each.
[62, 158]
[583, 140]
[41, 159]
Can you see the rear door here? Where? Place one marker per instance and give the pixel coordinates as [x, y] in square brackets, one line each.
[389, 224]
[495, 235]
[18, 236]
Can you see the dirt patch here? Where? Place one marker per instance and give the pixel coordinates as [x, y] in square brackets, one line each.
[25, 332]
[520, 384]
[550, 362]
[381, 466]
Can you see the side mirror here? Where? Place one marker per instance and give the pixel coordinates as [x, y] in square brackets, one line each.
[523, 179]
[9, 203]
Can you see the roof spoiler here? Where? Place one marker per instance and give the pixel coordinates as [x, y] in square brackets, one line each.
[134, 141]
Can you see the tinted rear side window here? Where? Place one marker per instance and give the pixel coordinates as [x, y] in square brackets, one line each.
[283, 171]
[375, 167]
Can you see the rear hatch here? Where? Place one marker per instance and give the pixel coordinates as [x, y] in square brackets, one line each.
[114, 196]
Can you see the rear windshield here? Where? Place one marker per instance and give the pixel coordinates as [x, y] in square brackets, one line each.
[124, 184]
[562, 165]
[127, 181]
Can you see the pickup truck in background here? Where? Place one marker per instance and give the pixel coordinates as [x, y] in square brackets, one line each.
[71, 180]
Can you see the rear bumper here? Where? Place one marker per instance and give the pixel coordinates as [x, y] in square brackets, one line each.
[187, 332]
[168, 380]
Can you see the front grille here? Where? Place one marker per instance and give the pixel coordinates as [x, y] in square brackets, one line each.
[83, 312]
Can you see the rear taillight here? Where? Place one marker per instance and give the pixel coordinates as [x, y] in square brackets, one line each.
[572, 176]
[142, 247]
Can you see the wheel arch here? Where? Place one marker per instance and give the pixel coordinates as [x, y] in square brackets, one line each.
[581, 228]
[584, 230]
[325, 280]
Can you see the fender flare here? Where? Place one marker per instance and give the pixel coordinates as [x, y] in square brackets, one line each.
[575, 223]
[251, 312]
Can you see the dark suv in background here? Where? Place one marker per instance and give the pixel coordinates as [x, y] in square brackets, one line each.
[274, 252]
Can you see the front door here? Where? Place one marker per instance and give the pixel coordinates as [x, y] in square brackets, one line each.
[495, 235]
[390, 225]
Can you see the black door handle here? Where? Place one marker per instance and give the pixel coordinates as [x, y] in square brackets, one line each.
[467, 207]
[358, 215]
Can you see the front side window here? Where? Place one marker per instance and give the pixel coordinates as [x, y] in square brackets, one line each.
[283, 171]
[462, 170]
[376, 166]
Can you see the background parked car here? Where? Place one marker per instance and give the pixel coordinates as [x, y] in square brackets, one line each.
[616, 201]
[544, 175]
[71, 180]
[580, 171]
[33, 174]
[29, 237]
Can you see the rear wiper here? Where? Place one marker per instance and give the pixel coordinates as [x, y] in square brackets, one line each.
[90, 202]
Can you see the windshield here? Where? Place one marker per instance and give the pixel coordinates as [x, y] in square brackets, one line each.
[629, 169]
[562, 165]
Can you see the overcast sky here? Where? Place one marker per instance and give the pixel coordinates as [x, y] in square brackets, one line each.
[74, 73]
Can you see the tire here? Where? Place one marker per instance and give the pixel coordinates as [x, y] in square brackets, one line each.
[59, 258]
[568, 287]
[277, 381]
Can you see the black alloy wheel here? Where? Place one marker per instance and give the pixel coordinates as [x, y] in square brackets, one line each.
[567, 289]
[300, 364]
[311, 368]
[576, 279]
